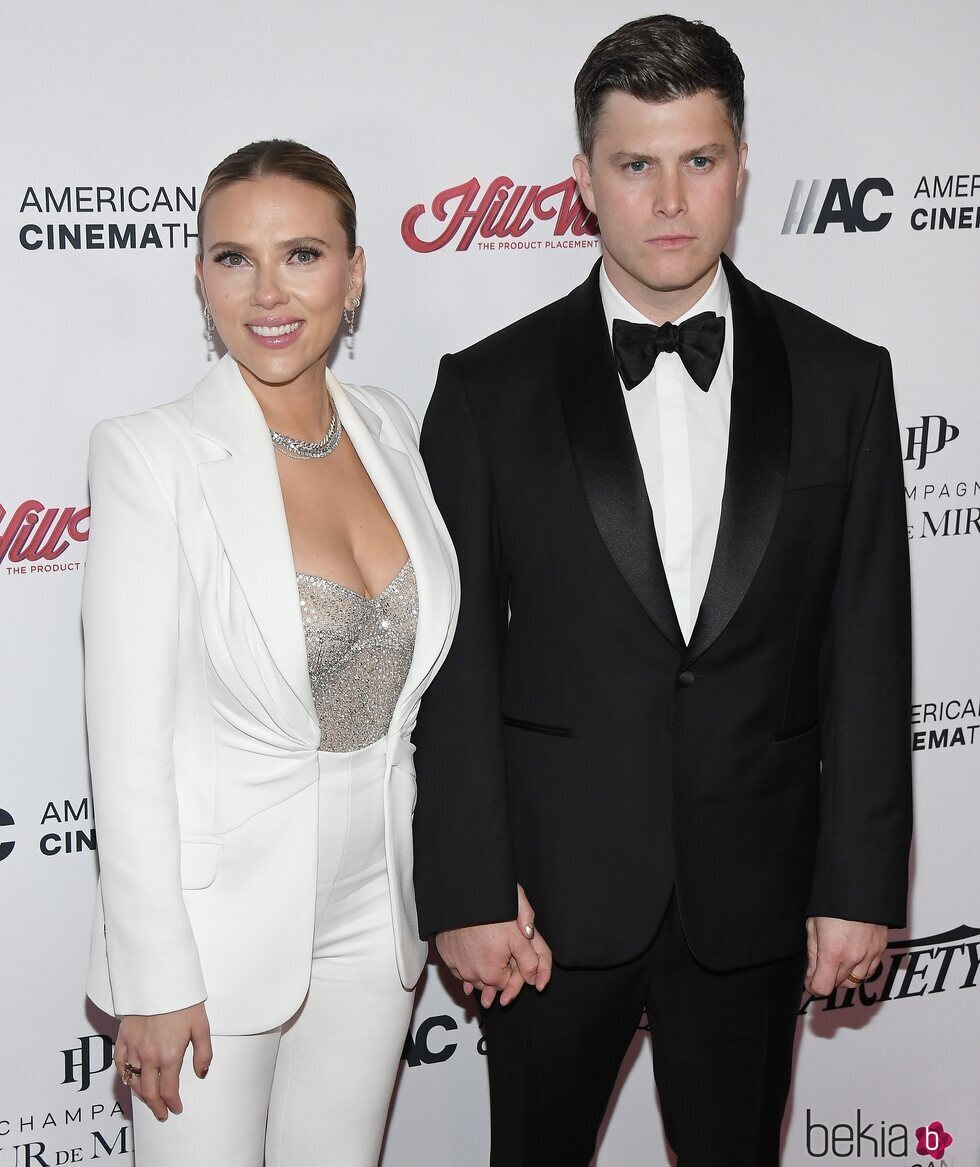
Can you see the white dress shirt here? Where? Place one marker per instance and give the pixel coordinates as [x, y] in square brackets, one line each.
[681, 436]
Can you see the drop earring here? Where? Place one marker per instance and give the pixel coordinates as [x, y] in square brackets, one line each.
[209, 325]
[349, 317]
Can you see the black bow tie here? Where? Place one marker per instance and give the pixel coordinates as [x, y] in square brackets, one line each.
[699, 342]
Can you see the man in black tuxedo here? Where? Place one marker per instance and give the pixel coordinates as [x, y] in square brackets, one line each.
[673, 724]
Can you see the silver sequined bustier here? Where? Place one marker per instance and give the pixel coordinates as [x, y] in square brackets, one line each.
[359, 651]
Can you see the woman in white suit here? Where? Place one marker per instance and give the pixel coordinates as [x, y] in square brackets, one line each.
[269, 590]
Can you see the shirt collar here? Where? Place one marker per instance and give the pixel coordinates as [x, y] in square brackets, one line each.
[716, 298]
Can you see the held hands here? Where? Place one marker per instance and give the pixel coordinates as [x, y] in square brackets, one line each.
[840, 951]
[155, 1046]
[494, 958]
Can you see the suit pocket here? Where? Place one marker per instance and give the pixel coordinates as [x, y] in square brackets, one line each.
[537, 727]
[823, 472]
[199, 855]
[795, 735]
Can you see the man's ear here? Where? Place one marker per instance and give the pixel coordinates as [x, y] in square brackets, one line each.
[583, 176]
[743, 153]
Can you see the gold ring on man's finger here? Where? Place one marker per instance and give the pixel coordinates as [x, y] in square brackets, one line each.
[855, 980]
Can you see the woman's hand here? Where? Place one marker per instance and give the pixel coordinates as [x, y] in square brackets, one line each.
[155, 1046]
[503, 957]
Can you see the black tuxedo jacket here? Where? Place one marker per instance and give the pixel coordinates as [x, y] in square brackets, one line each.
[574, 743]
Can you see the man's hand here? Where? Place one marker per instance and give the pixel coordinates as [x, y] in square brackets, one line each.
[155, 1046]
[839, 951]
[494, 958]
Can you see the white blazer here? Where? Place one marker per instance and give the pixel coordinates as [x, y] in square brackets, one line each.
[203, 734]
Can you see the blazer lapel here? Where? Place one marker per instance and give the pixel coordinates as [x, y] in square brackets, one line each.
[758, 457]
[605, 455]
[244, 498]
[403, 488]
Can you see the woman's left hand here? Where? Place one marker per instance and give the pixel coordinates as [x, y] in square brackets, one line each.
[155, 1046]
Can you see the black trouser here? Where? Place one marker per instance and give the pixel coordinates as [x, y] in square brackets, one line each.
[722, 1056]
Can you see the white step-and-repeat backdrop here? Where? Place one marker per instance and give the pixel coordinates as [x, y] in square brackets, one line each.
[453, 123]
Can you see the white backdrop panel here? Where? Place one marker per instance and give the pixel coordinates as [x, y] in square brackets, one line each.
[412, 101]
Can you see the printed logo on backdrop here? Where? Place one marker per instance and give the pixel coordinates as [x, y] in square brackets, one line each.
[931, 437]
[815, 205]
[911, 970]
[930, 202]
[913, 1145]
[946, 507]
[6, 844]
[502, 216]
[36, 540]
[108, 218]
[431, 1042]
[73, 1133]
[944, 725]
[63, 828]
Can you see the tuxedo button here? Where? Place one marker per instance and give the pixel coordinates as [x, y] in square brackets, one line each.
[685, 679]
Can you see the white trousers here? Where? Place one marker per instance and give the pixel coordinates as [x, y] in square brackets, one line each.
[316, 1090]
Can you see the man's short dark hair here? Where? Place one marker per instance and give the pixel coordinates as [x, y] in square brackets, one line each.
[659, 58]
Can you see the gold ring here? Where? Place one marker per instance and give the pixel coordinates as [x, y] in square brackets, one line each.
[130, 1072]
[855, 980]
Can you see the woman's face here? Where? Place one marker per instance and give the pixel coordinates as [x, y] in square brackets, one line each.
[275, 270]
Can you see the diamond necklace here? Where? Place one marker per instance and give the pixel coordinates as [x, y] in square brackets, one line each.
[300, 450]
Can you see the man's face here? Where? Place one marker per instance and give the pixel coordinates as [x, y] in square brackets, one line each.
[663, 181]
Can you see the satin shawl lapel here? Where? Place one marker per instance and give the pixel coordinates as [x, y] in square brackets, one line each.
[758, 457]
[244, 497]
[604, 452]
[400, 481]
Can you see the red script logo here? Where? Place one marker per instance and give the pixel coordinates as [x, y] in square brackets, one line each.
[35, 532]
[503, 210]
